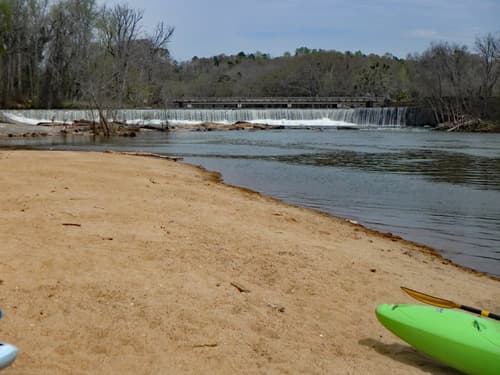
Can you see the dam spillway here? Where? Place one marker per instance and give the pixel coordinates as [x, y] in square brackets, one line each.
[360, 117]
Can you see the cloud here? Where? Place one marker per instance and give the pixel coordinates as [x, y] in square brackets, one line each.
[207, 28]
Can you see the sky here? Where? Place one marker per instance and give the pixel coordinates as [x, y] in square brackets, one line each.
[206, 28]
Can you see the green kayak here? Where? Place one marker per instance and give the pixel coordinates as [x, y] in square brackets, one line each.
[466, 342]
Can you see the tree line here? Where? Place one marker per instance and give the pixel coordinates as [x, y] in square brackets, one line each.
[74, 53]
[69, 52]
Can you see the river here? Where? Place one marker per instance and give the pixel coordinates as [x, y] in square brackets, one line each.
[438, 189]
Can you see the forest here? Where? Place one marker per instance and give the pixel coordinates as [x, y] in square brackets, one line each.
[77, 54]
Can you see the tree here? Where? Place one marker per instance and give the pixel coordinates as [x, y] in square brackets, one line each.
[488, 48]
[70, 34]
[118, 28]
[59, 55]
[22, 44]
[159, 57]
[59, 51]
[374, 79]
[5, 23]
[445, 78]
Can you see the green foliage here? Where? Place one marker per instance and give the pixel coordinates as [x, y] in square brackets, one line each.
[301, 51]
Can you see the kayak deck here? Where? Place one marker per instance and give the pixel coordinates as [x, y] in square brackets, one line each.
[466, 342]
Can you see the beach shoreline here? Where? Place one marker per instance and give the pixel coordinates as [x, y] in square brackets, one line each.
[219, 178]
[118, 263]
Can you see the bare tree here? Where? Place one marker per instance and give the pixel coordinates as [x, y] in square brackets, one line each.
[119, 27]
[158, 42]
[445, 78]
[55, 52]
[488, 48]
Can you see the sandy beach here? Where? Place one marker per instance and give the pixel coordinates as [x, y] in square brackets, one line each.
[119, 264]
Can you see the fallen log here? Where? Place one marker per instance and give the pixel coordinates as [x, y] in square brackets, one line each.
[146, 154]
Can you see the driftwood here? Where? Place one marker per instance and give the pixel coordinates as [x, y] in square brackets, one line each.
[160, 128]
[217, 126]
[205, 346]
[50, 123]
[83, 122]
[240, 288]
[146, 154]
[468, 125]
[72, 225]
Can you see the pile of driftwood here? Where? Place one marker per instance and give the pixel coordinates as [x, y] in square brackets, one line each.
[216, 126]
[469, 124]
[106, 128]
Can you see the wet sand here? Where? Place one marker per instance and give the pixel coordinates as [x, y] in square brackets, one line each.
[126, 264]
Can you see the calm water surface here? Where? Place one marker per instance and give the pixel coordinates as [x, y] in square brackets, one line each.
[439, 189]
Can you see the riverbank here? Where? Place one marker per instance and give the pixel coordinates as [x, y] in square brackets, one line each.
[16, 130]
[115, 263]
[470, 125]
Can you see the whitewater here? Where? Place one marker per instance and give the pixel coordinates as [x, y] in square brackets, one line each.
[352, 117]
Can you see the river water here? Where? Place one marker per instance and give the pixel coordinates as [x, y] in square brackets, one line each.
[438, 189]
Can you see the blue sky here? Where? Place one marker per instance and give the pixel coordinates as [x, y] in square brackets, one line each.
[212, 27]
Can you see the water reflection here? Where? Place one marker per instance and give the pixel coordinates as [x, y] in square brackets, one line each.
[439, 166]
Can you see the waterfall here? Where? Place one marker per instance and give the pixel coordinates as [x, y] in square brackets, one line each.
[361, 117]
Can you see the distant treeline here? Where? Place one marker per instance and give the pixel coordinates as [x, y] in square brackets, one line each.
[74, 53]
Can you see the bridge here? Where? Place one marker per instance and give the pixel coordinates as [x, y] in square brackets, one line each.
[294, 102]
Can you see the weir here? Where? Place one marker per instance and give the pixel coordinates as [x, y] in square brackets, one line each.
[363, 117]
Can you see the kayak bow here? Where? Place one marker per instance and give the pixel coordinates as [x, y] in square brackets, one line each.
[466, 342]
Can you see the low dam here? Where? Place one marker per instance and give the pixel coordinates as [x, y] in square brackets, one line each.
[360, 117]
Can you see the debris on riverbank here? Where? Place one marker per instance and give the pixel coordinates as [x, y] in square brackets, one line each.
[470, 124]
[85, 127]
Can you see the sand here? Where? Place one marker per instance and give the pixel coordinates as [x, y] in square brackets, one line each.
[119, 264]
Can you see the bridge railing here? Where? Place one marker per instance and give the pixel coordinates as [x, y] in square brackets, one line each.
[283, 99]
[284, 102]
